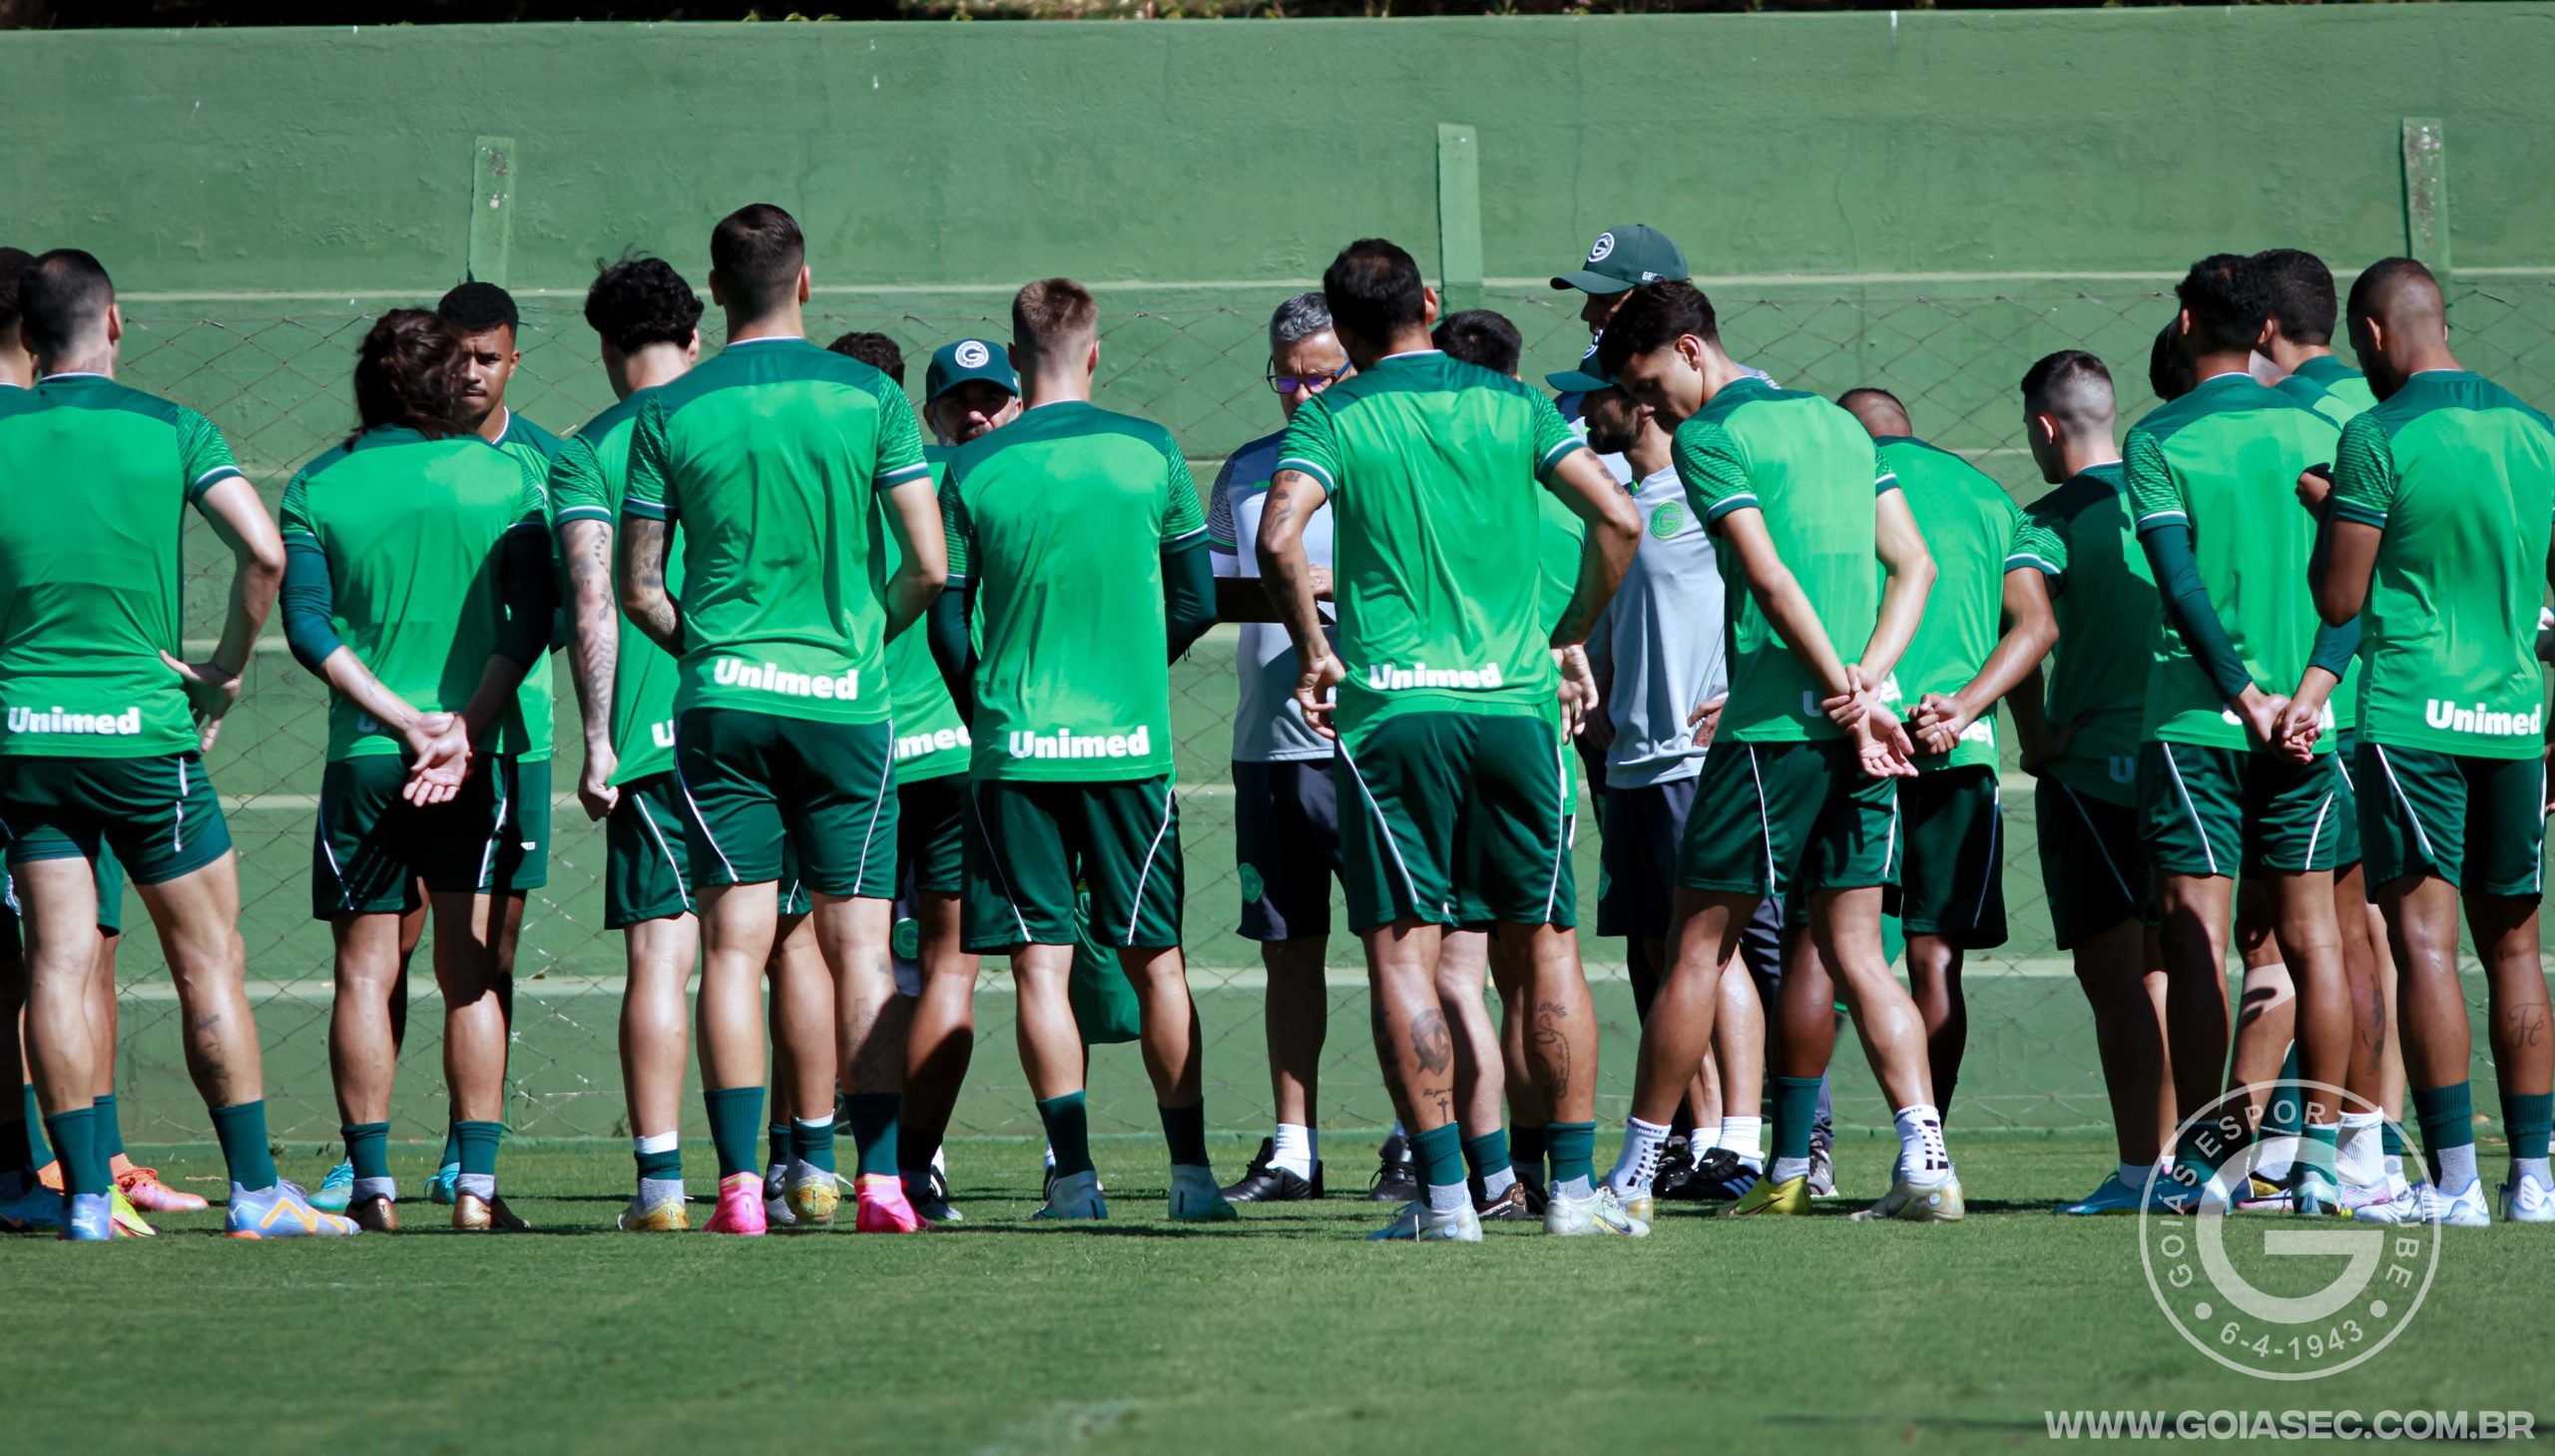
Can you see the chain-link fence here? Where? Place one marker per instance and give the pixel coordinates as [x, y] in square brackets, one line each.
[273, 373]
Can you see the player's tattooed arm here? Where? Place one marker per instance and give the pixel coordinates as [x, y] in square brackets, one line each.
[644, 598]
[595, 652]
[1287, 574]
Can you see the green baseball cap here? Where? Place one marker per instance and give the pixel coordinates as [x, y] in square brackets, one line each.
[1586, 379]
[1625, 257]
[954, 364]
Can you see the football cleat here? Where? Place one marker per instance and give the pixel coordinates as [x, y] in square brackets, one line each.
[2111, 1198]
[1910, 1202]
[1719, 1176]
[337, 1191]
[1420, 1222]
[1509, 1208]
[1397, 1178]
[2354, 1198]
[1195, 1198]
[1261, 1182]
[1789, 1197]
[281, 1212]
[1073, 1196]
[928, 1191]
[34, 1208]
[775, 1196]
[811, 1193]
[881, 1206]
[375, 1214]
[659, 1215]
[1822, 1163]
[144, 1190]
[128, 1218]
[1599, 1213]
[2313, 1194]
[90, 1218]
[2401, 1204]
[2527, 1202]
[2464, 1209]
[473, 1214]
[442, 1188]
[740, 1207]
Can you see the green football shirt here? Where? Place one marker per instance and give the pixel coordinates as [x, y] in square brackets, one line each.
[1058, 519]
[1558, 570]
[1813, 472]
[772, 457]
[1969, 523]
[1438, 534]
[931, 740]
[2103, 595]
[589, 479]
[2225, 459]
[411, 529]
[98, 479]
[535, 447]
[2339, 392]
[2460, 476]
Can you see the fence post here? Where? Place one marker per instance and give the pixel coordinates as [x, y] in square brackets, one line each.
[492, 210]
[2426, 193]
[1458, 215]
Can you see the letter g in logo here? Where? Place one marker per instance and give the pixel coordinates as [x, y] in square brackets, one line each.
[973, 354]
[1602, 248]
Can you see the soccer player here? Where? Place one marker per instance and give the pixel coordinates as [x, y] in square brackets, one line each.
[1798, 799]
[1951, 887]
[2223, 787]
[2437, 522]
[773, 457]
[647, 317]
[105, 730]
[1286, 812]
[1449, 741]
[1078, 548]
[2081, 742]
[418, 587]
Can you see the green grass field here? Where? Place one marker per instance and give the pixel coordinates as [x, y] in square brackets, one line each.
[1288, 1332]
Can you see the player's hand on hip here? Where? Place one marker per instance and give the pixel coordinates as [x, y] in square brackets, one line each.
[210, 694]
[1314, 694]
[595, 788]
[1578, 688]
[1704, 721]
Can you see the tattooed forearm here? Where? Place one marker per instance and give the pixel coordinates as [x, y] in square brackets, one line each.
[1285, 572]
[593, 618]
[642, 583]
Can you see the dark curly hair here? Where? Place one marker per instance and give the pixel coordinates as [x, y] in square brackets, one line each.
[408, 374]
[876, 350]
[640, 301]
[2228, 298]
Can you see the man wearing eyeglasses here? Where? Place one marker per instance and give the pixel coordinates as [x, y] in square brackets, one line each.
[1285, 817]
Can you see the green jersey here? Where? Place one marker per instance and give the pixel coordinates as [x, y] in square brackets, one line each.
[1813, 472]
[1558, 570]
[772, 457]
[2103, 595]
[931, 740]
[589, 479]
[1058, 519]
[535, 447]
[99, 479]
[2460, 476]
[1438, 536]
[1969, 523]
[2225, 460]
[2330, 387]
[411, 529]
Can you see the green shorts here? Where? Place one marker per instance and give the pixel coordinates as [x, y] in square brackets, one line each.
[2223, 811]
[931, 833]
[2091, 863]
[1106, 1011]
[370, 843]
[1951, 879]
[1038, 844]
[158, 814]
[1788, 819]
[757, 785]
[2346, 849]
[108, 873]
[1456, 819]
[646, 871]
[526, 856]
[2429, 813]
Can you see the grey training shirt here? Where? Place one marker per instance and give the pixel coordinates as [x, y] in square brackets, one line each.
[1267, 726]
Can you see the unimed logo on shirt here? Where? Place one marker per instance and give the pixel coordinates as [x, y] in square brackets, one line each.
[1393, 677]
[772, 677]
[2439, 712]
[1066, 744]
[127, 723]
[914, 746]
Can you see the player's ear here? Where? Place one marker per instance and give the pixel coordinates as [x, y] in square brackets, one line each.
[1428, 305]
[115, 323]
[2183, 326]
[2376, 335]
[1091, 361]
[2044, 429]
[692, 348]
[718, 290]
[803, 282]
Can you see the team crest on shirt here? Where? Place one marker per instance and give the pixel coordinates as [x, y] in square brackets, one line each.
[1667, 521]
[1603, 248]
[973, 354]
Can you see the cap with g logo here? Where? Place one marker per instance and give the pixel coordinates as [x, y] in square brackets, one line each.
[954, 364]
[1625, 257]
[1588, 378]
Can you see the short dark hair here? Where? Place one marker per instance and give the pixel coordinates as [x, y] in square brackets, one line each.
[1480, 337]
[1874, 391]
[477, 307]
[2300, 291]
[2228, 300]
[13, 262]
[876, 350]
[1049, 316]
[1375, 290]
[2168, 374]
[756, 252]
[408, 372]
[640, 301]
[63, 297]
[2375, 291]
[2073, 387]
[1654, 317]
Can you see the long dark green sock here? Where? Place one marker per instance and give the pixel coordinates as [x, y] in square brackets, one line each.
[1526, 1146]
[241, 1127]
[2390, 1137]
[1574, 1151]
[479, 1151]
[368, 1149]
[659, 1165]
[813, 1143]
[1068, 1121]
[777, 1137]
[38, 1154]
[2320, 1146]
[2447, 1116]
[1184, 1130]
[2529, 1118]
[1796, 1115]
[111, 1132]
[75, 1138]
[2287, 1109]
[734, 1111]
[1439, 1151]
[871, 1117]
[1485, 1154]
[451, 1146]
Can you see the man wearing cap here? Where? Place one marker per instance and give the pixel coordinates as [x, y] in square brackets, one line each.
[1620, 260]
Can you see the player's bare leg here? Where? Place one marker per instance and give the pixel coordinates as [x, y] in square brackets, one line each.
[1844, 950]
[60, 923]
[2360, 1159]
[804, 1073]
[656, 1044]
[2193, 930]
[1415, 1048]
[1706, 932]
[738, 925]
[870, 1019]
[940, 1041]
[1481, 1072]
[2310, 942]
[1933, 983]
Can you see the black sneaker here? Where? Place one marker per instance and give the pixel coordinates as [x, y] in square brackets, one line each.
[1718, 1178]
[1397, 1178]
[1512, 1207]
[1675, 1165]
[1261, 1184]
[1822, 1164]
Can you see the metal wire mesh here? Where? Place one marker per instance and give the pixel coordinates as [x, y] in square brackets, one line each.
[275, 378]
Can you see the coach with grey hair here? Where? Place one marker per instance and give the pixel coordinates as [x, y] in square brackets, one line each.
[1285, 817]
